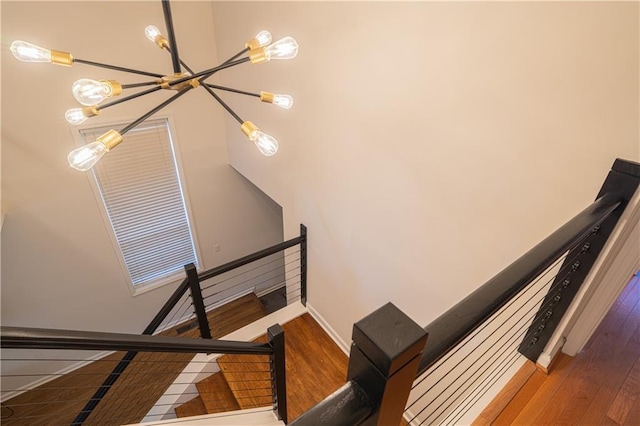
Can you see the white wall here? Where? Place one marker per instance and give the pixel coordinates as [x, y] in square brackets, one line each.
[431, 144]
[59, 268]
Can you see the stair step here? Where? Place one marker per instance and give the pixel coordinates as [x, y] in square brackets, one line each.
[193, 407]
[248, 378]
[216, 394]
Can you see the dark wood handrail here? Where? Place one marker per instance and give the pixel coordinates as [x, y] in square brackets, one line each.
[453, 326]
[40, 338]
[218, 270]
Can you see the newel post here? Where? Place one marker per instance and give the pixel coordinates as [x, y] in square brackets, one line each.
[198, 301]
[278, 371]
[385, 354]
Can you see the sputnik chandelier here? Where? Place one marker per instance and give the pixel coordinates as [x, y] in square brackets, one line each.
[92, 94]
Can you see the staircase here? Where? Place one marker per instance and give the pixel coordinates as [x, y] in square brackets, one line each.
[242, 383]
[315, 368]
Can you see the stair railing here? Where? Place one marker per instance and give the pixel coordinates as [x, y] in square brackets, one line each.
[474, 344]
[32, 410]
[295, 283]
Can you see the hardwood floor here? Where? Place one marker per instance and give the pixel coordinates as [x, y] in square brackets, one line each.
[600, 386]
[143, 382]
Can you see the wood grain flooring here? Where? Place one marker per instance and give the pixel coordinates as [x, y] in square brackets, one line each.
[145, 380]
[600, 386]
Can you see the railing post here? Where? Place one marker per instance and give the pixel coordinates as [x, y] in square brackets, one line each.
[303, 265]
[198, 301]
[278, 372]
[385, 354]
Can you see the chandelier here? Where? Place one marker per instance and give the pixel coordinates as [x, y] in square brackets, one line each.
[92, 94]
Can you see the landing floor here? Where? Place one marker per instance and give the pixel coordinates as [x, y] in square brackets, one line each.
[599, 386]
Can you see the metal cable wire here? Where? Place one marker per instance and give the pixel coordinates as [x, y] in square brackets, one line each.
[252, 269]
[512, 301]
[167, 320]
[480, 329]
[530, 315]
[249, 279]
[486, 385]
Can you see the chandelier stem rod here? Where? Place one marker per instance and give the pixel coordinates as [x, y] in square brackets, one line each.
[168, 21]
[132, 85]
[224, 105]
[229, 89]
[243, 51]
[117, 68]
[126, 98]
[185, 66]
[208, 73]
[154, 110]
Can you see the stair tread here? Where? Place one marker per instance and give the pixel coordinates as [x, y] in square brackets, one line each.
[248, 377]
[216, 394]
[193, 407]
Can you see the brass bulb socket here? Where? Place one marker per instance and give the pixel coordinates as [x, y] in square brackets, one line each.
[90, 111]
[110, 140]
[161, 41]
[258, 55]
[248, 128]
[61, 58]
[252, 44]
[116, 88]
[267, 97]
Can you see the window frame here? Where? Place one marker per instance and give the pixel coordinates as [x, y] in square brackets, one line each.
[136, 290]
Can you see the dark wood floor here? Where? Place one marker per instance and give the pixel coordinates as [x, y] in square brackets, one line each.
[145, 380]
[599, 386]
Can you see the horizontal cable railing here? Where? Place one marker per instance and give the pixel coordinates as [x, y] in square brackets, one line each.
[279, 267]
[482, 340]
[144, 391]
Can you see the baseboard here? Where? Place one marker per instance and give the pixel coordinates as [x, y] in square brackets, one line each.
[328, 329]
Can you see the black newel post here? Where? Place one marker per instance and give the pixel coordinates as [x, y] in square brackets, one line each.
[303, 265]
[278, 373]
[385, 354]
[198, 302]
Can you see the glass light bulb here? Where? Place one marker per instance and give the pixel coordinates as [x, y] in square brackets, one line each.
[75, 116]
[85, 157]
[28, 52]
[151, 32]
[90, 92]
[283, 101]
[268, 145]
[263, 37]
[285, 48]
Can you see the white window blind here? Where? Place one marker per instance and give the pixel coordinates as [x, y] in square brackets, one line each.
[141, 191]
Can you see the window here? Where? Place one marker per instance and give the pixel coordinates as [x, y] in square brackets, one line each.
[140, 187]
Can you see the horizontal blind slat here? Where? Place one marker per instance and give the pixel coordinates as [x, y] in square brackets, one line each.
[141, 191]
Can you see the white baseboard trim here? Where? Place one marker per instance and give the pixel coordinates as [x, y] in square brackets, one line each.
[329, 330]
